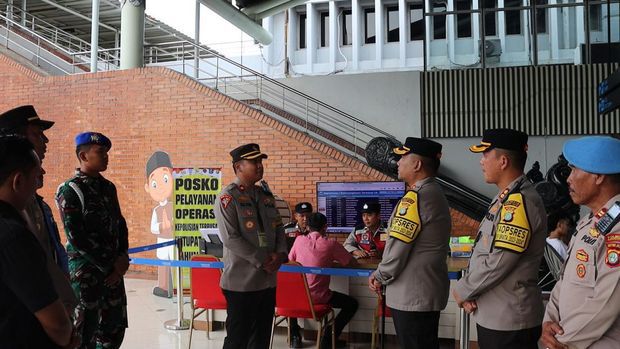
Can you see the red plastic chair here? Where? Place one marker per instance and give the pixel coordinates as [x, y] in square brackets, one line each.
[205, 291]
[293, 301]
[375, 321]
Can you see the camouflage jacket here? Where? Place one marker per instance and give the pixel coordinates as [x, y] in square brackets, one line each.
[95, 227]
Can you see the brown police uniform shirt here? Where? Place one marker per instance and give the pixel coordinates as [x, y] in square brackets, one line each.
[36, 224]
[251, 228]
[586, 299]
[414, 260]
[503, 269]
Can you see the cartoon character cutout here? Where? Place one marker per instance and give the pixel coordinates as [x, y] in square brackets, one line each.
[159, 185]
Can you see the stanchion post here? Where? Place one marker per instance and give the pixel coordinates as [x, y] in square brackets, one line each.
[464, 319]
[382, 316]
[179, 323]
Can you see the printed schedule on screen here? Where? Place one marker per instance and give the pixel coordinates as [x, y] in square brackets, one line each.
[342, 202]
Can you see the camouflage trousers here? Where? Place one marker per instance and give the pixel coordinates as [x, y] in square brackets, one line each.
[100, 317]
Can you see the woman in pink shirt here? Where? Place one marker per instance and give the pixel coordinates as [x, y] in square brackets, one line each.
[315, 250]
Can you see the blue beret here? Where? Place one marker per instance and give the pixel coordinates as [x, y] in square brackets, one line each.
[92, 138]
[594, 154]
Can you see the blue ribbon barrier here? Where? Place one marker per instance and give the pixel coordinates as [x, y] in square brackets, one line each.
[151, 247]
[351, 272]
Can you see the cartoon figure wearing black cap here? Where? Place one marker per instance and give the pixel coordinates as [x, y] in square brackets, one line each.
[254, 248]
[368, 239]
[500, 289]
[159, 186]
[97, 244]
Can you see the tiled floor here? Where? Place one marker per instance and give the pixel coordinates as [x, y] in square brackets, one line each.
[148, 313]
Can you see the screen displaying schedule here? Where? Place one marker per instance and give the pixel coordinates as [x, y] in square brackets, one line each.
[342, 202]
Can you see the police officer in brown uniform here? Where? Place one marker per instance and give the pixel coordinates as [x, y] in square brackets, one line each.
[413, 266]
[501, 288]
[585, 303]
[254, 248]
[299, 226]
[368, 239]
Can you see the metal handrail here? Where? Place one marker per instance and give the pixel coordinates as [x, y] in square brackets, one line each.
[266, 78]
[69, 42]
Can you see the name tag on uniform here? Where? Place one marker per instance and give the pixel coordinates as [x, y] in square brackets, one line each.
[383, 236]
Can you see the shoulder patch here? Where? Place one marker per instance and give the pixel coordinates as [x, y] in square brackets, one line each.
[406, 223]
[513, 230]
[226, 200]
[612, 244]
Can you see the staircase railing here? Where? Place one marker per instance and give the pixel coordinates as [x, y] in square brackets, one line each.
[59, 37]
[310, 115]
[43, 51]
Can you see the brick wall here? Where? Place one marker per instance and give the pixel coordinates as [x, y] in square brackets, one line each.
[144, 110]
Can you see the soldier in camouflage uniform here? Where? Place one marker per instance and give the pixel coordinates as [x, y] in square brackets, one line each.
[97, 245]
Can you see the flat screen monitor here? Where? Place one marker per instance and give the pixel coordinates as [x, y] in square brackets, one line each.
[342, 202]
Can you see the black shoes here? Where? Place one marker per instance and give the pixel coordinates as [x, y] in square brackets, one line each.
[295, 341]
[160, 292]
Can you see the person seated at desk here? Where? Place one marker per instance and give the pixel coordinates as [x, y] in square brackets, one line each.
[315, 250]
[299, 226]
[561, 228]
[368, 239]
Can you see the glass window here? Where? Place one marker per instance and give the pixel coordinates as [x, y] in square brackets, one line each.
[463, 29]
[347, 27]
[490, 24]
[541, 17]
[416, 21]
[513, 18]
[302, 31]
[596, 23]
[439, 22]
[392, 24]
[369, 26]
[324, 29]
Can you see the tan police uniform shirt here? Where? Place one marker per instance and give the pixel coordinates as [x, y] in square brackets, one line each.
[503, 270]
[251, 229]
[33, 215]
[414, 260]
[586, 299]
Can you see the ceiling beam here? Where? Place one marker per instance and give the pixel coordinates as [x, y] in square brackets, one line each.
[75, 13]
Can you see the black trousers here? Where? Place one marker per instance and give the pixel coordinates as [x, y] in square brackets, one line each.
[416, 329]
[347, 305]
[519, 339]
[249, 318]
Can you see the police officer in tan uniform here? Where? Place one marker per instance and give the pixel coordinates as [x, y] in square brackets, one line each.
[413, 266]
[367, 240]
[585, 303]
[254, 248]
[500, 288]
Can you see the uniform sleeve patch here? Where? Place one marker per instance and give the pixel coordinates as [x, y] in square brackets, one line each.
[406, 223]
[513, 230]
[612, 242]
[226, 200]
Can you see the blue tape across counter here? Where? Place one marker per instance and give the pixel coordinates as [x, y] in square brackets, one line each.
[151, 247]
[284, 268]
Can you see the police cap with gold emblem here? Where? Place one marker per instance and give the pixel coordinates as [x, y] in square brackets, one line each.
[303, 207]
[594, 154]
[86, 138]
[502, 138]
[247, 152]
[371, 207]
[421, 146]
[20, 117]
